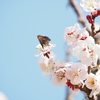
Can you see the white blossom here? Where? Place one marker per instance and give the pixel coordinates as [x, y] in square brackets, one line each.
[44, 50]
[76, 73]
[97, 90]
[74, 33]
[91, 81]
[90, 5]
[47, 65]
[59, 78]
[87, 51]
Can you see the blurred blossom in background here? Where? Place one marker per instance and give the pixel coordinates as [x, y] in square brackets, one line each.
[3, 96]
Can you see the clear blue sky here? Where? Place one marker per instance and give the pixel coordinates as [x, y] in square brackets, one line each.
[20, 23]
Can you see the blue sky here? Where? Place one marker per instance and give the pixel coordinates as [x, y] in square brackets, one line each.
[20, 23]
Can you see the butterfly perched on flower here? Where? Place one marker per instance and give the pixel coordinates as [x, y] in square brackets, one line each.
[44, 40]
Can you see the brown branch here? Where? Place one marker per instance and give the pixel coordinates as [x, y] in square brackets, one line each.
[97, 31]
[94, 33]
[89, 69]
[93, 30]
[79, 13]
[85, 90]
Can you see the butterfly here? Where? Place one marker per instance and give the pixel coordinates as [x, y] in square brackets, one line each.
[44, 40]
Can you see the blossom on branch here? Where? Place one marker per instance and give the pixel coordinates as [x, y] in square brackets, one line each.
[45, 50]
[74, 34]
[76, 73]
[90, 5]
[47, 65]
[87, 51]
[91, 81]
[58, 77]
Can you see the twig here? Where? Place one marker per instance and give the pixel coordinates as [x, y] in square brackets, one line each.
[89, 69]
[79, 13]
[85, 90]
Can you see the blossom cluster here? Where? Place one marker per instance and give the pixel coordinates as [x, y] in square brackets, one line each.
[84, 48]
[75, 75]
[91, 6]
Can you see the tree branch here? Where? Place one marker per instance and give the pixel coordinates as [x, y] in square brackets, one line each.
[79, 13]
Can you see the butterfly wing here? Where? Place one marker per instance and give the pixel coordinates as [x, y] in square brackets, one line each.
[44, 40]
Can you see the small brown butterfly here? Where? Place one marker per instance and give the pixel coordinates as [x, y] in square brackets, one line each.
[44, 40]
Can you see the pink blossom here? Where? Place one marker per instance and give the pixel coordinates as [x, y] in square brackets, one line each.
[76, 73]
[73, 34]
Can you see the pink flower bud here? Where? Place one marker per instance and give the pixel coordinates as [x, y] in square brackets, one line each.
[91, 21]
[89, 18]
[98, 11]
[94, 13]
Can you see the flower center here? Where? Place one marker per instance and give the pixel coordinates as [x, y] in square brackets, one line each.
[70, 33]
[90, 3]
[92, 82]
[60, 75]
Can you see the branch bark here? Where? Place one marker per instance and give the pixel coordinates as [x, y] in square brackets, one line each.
[80, 15]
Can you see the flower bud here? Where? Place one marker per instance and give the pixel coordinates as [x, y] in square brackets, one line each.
[94, 13]
[89, 18]
[98, 11]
